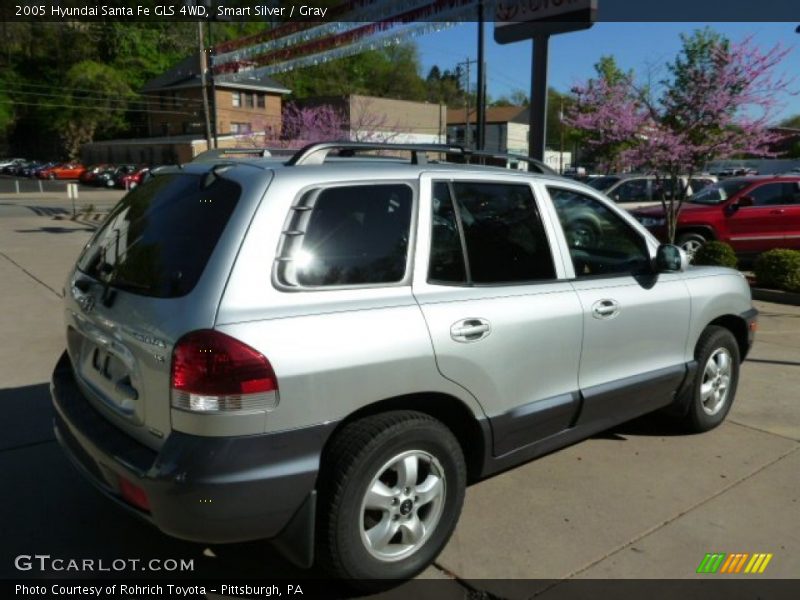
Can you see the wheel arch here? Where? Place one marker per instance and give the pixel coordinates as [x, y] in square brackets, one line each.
[738, 327]
[704, 230]
[449, 410]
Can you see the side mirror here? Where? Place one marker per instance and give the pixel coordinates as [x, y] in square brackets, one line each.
[745, 201]
[670, 258]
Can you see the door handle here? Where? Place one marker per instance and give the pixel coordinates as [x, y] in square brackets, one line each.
[470, 330]
[605, 309]
[777, 211]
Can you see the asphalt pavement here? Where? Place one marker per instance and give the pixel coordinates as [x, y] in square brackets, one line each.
[640, 501]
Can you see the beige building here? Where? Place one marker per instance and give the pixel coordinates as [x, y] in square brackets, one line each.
[370, 118]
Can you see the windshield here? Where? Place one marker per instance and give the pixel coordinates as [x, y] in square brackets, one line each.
[719, 192]
[603, 183]
[160, 236]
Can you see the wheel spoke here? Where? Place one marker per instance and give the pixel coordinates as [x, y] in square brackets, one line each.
[724, 362]
[412, 530]
[429, 490]
[407, 471]
[380, 535]
[706, 390]
[379, 496]
[710, 370]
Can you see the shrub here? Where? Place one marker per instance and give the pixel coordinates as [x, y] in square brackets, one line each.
[779, 269]
[717, 254]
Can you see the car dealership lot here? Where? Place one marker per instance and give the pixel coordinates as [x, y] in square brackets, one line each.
[638, 501]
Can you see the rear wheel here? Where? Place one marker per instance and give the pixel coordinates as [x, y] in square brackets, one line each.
[714, 386]
[391, 492]
[691, 243]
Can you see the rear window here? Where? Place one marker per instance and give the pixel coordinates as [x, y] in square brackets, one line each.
[159, 238]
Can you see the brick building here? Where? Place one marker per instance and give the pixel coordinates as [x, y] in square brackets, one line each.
[244, 102]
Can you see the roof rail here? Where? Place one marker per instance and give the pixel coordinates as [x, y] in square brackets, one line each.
[216, 153]
[315, 154]
[540, 166]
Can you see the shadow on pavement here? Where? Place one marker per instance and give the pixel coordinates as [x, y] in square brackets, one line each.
[55, 230]
[788, 363]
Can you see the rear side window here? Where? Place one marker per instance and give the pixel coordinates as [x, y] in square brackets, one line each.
[502, 232]
[160, 236]
[352, 235]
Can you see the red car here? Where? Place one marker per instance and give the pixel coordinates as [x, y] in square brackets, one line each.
[131, 180]
[752, 214]
[91, 172]
[63, 171]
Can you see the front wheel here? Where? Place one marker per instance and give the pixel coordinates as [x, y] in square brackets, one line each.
[714, 386]
[391, 492]
[691, 243]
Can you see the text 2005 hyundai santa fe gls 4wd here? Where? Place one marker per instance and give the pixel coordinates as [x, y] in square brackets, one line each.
[325, 351]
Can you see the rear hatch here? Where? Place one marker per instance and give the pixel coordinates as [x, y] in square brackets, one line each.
[154, 271]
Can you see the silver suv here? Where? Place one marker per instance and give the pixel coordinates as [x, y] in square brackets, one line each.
[325, 351]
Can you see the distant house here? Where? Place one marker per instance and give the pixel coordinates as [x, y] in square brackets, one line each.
[244, 101]
[506, 129]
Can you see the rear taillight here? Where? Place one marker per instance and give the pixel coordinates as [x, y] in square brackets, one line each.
[215, 373]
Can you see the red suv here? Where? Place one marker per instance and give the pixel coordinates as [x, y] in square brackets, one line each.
[752, 214]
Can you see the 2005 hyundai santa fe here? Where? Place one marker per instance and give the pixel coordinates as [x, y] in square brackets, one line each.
[325, 351]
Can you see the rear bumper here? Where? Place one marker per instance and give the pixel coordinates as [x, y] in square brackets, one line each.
[203, 489]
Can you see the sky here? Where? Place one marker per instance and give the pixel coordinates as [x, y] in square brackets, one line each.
[643, 47]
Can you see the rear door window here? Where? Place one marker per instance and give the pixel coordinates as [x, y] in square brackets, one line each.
[355, 235]
[159, 238]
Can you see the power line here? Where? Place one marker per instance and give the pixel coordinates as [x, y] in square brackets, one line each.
[75, 89]
[13, 92]
[142, 110]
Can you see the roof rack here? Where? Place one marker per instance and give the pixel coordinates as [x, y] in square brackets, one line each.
[315, 154]
[216, 153]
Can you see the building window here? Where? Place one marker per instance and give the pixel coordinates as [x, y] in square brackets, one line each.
[240, 128]
[261, 101]
[236, 99]
[248, 100]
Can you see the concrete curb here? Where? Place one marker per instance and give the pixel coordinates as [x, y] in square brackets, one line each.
[777, 296]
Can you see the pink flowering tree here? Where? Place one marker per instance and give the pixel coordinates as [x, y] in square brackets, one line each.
[717, 102]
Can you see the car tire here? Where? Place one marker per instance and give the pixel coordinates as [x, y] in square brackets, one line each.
[51, 176]
[691, 243]
[715, 380]
[416, 468]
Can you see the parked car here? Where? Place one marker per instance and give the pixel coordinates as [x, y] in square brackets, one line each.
[7, 164]
[636, 191]
[25, 169]
[70, 170]
[324, 352]
[110, 176]
[752, 214]
[36, 170]
[91, 172]
[129, 181]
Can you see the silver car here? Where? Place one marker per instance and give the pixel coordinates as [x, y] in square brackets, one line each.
[325, 351]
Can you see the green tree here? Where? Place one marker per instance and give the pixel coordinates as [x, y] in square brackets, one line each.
[84, 114]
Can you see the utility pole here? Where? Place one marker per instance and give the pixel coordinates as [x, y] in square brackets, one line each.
[203, 67]
[481, 109]
[467, 131]
[561, 144]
